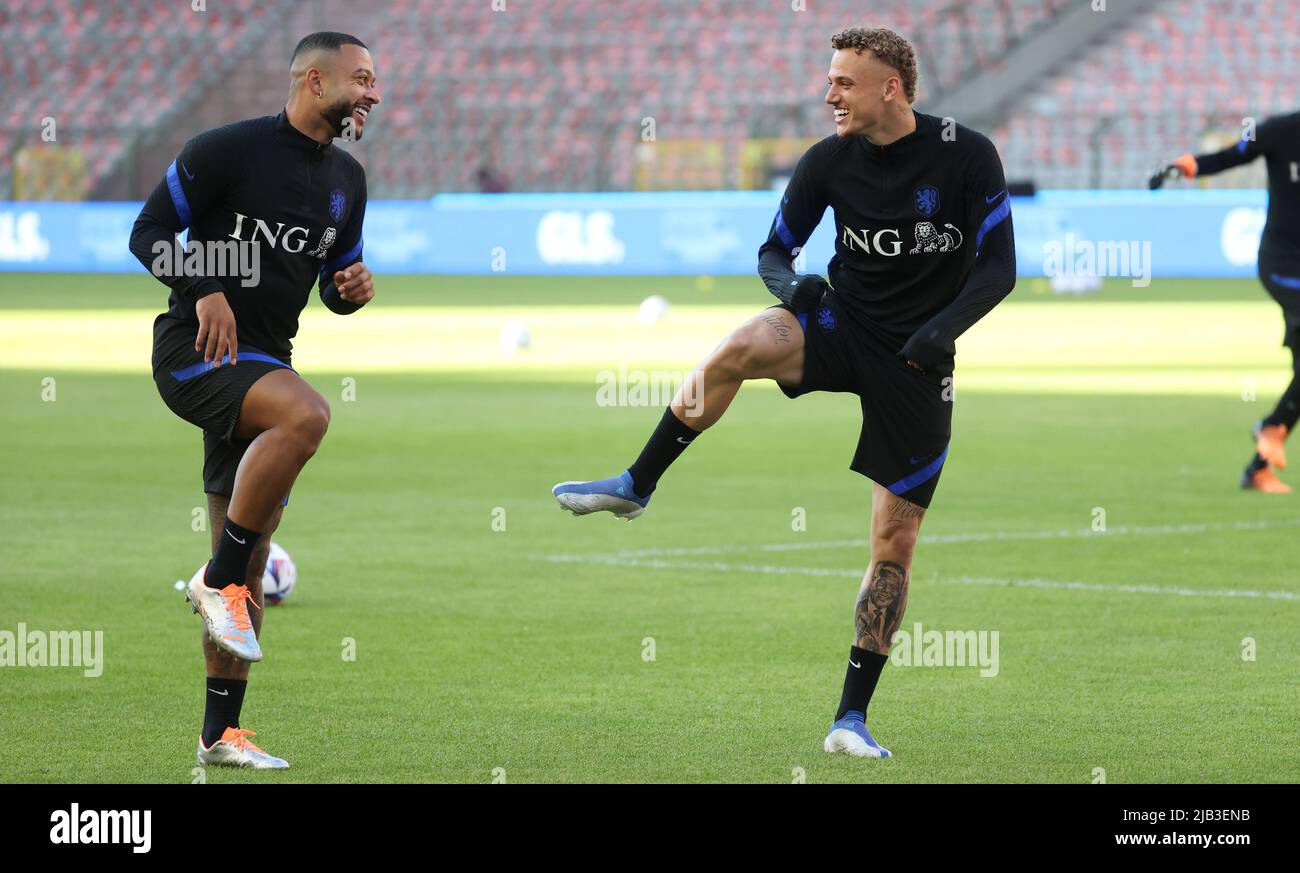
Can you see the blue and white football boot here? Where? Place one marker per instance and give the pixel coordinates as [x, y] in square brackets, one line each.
[850, 735]
[613, 495]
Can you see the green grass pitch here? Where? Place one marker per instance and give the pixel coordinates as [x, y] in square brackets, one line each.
[523, 653]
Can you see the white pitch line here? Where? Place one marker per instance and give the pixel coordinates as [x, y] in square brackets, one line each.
[1127, 589]
[716, 566]
[972, 537]
[776, 570]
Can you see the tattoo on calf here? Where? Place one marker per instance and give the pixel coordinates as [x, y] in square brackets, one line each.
[782, 329]
[879, 610]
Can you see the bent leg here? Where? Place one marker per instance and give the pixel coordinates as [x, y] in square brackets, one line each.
[768, 346]
[1287, 411]
[219, 663]
[286, 419]
[1271, 433]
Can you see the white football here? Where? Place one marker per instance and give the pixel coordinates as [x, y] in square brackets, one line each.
[279, 577]
[515, 336]
[652, 310]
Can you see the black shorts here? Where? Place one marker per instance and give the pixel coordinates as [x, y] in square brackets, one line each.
[1283, 283]
[207, 397]
[906, 414]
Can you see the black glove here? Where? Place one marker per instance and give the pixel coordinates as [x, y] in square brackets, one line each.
[928, 355]
[806, 292]
[1167, 172]
[1183, 168]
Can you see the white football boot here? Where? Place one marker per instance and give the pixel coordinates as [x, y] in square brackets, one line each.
[234, 750]
[850, 736]
[225, 615]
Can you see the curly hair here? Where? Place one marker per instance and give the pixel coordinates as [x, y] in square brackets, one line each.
[888, 47]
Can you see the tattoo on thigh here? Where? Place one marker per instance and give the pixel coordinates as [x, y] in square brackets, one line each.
[879, 610]
[778, 324]
[902, 509]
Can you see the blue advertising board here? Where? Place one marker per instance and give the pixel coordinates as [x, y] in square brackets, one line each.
[1167, 233]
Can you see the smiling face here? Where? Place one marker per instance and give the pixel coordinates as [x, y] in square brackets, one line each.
[861, 90]
[352, 84]
[347, 87]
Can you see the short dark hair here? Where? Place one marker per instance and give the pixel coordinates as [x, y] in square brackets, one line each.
[325, 39]
[888, 47]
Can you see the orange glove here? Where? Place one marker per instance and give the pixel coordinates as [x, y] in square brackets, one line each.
[1184, 166]
[1187, 164]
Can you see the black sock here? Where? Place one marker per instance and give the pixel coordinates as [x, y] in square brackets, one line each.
[230, 563]
[1256, 463]
[668, 441]
[225, 697]
[860, 681]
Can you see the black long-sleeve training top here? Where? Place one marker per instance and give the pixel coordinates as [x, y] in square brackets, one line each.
[1278, 140]
[923, 241]
[259, 181]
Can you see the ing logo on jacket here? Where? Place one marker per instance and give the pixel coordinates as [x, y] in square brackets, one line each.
[929, 239]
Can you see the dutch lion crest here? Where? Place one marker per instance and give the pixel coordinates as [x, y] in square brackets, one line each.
[927, 200]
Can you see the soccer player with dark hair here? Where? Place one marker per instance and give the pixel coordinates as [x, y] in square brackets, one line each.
[1278, 140]
[923, 250]
[278, 190]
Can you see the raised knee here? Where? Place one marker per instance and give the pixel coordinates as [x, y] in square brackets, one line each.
[738, 353]
[310, 421]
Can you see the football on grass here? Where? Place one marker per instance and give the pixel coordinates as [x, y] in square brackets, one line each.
[280, 576]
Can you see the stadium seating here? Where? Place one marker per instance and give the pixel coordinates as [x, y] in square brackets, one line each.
[566, 100]
[591, 95]
[1179, 78]
[107, 71]
[544, 96]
